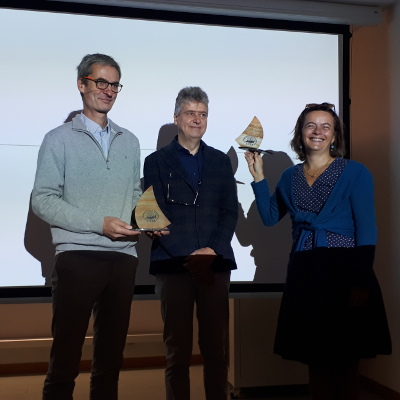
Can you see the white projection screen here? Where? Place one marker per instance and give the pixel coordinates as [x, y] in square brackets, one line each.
[248, 67]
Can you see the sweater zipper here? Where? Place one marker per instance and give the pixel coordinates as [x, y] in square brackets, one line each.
[109, 148]
[98, 145]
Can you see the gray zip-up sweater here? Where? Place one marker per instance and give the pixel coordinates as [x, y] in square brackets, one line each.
[76, 186]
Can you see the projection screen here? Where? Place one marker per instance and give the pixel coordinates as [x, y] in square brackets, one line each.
[247, 69]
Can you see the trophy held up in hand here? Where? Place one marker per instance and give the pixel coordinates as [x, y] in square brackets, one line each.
[251, 138]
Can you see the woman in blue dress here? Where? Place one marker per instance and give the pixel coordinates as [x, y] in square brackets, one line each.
[332, 313]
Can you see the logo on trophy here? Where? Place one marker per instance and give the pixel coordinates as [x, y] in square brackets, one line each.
[251, 138]
[147, 215]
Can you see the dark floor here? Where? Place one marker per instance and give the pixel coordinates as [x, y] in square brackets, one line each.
[147, 384]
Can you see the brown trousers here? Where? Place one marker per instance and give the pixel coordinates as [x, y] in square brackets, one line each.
[84, 282]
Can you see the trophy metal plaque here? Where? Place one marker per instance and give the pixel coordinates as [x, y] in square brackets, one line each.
[251, 138]
[147, 215]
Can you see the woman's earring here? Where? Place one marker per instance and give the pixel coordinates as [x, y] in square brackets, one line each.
[332, 146]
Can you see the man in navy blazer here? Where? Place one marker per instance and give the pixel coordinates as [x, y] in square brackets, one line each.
[195, 188]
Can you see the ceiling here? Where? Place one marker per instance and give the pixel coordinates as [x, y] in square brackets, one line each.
[348, 12]
[369, 3]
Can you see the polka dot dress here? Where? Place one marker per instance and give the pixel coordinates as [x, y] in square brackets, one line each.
[312, 199]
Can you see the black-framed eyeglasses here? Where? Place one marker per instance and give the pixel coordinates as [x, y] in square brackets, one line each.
[181, 203]
[328, 106]
[102, 84]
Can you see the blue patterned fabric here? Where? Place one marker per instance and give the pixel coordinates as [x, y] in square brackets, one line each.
[312, 199]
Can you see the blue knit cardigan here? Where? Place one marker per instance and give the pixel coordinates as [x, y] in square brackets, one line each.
[349, 209]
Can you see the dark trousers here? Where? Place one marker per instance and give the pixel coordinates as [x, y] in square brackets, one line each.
[84, 282]
[178, 294]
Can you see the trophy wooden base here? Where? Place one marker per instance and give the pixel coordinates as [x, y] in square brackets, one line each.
[253, 150]
[150, 229]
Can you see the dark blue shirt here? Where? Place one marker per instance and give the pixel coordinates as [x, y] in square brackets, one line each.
[192, 163]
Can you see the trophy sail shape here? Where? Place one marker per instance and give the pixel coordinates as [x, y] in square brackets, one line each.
[252, 137]
[148, 215]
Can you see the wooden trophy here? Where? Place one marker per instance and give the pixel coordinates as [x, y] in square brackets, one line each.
[147, 215]
[251, 138]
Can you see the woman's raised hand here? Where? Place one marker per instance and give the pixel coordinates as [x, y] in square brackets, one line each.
[255, 164]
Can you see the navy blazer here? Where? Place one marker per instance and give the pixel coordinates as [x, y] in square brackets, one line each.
[210, 222]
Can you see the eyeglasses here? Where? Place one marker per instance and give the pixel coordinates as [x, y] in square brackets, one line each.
[329, 106]
[181, 203]
[103, 84]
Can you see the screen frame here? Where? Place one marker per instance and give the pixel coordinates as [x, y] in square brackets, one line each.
[34, 293]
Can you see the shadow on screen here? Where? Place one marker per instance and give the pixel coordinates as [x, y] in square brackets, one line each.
[234, 161]
[72, 115]
[37, 239]
[38, 243]
[271, 245]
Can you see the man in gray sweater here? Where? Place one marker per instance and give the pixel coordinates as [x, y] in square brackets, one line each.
[87, 184]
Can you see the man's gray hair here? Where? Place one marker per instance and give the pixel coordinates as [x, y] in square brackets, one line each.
[190, 94]
[85, 67]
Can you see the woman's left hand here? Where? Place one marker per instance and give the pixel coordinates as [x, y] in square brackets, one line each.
[255, 164]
